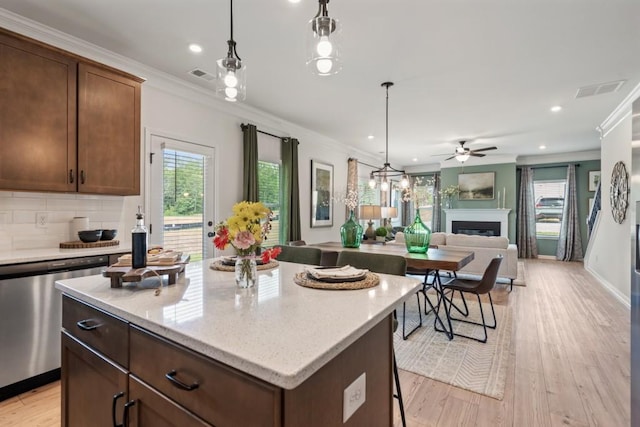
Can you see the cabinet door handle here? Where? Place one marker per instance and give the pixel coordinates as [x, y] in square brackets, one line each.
[113, 408]
[82, 177]
[88, 325]
[125, 417]
[171, 376]
[71, 178]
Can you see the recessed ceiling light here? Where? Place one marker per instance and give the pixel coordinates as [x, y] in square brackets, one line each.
[556, 108]
[415, 159]
[294, 1]
[370, 137]
[543, 147]
[195, 48]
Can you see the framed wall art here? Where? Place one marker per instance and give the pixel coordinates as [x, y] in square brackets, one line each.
[594, 179]
[476, 186]
[321, 194]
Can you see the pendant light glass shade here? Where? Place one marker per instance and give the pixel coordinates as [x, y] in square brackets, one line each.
[324, 43]
[231, 83]
[231, 80]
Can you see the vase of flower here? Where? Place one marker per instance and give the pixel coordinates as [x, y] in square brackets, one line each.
[351, 232]
[417, 235]
[246, 230]
[246, 270]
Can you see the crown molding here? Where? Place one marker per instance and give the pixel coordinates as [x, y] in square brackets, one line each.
[575, 156]
[619, 113]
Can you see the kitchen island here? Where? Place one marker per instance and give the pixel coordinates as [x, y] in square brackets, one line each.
[276, 354]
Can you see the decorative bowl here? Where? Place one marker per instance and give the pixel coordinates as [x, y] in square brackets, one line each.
[89, 236]
[108, 234]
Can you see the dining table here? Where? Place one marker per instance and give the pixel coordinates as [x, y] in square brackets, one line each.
[431, 263]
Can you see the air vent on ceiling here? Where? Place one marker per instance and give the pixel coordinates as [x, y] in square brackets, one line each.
[202, 74]
[599, 89]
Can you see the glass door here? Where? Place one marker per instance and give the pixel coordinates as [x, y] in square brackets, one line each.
[181, 196]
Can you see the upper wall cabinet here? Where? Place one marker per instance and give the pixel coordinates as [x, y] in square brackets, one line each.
[66, 124]
[108, 132]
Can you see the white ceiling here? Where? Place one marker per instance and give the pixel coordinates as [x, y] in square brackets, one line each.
[485, 71]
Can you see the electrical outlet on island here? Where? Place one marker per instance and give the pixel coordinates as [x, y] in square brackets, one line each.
[354, 397]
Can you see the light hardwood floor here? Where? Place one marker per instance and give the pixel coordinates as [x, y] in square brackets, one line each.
[570, 364]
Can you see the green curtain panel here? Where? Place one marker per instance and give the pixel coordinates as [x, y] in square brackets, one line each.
[250, 163]
[290, 208]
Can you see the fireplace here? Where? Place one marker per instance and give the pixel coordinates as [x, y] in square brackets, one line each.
[501, 216]
[476, 228]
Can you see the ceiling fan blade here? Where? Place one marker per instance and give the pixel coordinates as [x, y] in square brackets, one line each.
[484, 149]
[474, 154]
[440, 155]
[449, 158]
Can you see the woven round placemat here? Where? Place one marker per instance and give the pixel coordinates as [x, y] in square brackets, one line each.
[218, 265]
[369, 281]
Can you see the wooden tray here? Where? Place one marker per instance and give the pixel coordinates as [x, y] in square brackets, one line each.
[128, 274]
[79, 244]
[184, 259]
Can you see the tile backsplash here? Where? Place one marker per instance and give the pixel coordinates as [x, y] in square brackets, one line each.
[20, 211]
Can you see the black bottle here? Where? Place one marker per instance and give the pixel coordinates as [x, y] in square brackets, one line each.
[139, 242]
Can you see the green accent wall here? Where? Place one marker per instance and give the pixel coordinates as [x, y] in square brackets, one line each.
[505, 180]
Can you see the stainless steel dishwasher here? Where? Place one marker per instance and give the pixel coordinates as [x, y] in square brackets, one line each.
[31, 320]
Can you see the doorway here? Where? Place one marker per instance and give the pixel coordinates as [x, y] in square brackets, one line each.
[181, 196]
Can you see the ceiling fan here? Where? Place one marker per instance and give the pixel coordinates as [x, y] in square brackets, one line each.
[463, 153]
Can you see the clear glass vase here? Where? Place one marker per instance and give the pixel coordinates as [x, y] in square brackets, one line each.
[246, 270]
[351, 232]
[417, 236]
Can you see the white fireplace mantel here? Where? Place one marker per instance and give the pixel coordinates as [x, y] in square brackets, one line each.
[494, 215]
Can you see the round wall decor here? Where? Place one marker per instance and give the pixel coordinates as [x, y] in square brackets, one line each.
[619, 192]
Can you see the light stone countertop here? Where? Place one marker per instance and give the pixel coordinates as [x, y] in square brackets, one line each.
[278, 331]
[46, 254]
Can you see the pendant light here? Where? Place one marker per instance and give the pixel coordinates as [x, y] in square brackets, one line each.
[323, 43]
[386, 171]
[230, 72]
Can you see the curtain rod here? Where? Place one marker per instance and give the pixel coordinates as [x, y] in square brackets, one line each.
[363, 163]
[244, 126]
[551, 166]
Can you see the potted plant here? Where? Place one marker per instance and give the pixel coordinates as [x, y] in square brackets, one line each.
[381, 234]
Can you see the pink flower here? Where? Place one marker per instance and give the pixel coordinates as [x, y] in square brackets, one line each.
[244, 240]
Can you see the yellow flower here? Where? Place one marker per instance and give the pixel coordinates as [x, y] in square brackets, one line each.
[248, 216]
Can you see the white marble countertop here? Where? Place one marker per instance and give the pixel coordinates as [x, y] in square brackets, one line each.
[45, 254]
[277, 331]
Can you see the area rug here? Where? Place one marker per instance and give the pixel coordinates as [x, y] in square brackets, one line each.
[518, 281]
[464, 363]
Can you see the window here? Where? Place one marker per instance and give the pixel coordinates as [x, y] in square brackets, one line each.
[549, 204]
[269, 194]
[183, 201]
[422, 198]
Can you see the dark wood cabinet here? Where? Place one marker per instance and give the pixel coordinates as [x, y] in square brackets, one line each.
[155, 410]
[166, 384]
[216, 392]
[90, 384]
[108, 132]
[37, 117]
[67, 124]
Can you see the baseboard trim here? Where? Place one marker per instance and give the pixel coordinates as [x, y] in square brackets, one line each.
[612, 289]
